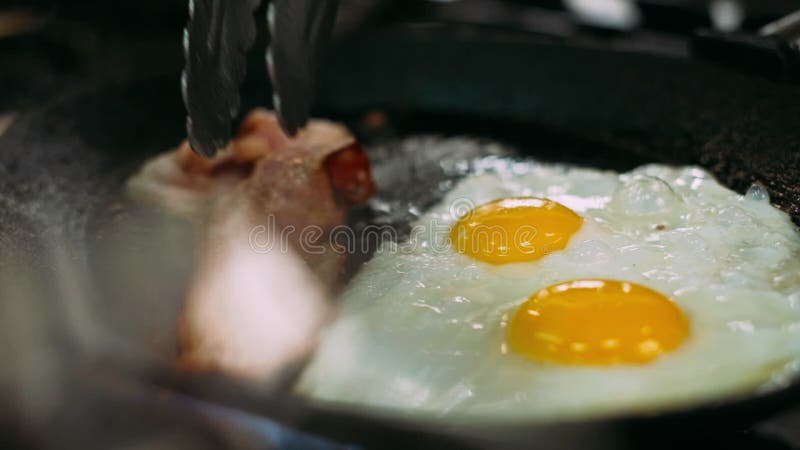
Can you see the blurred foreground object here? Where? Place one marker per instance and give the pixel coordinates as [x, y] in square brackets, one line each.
[13, 23]
[262, 209]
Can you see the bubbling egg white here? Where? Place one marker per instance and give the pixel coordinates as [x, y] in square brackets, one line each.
[431, 328]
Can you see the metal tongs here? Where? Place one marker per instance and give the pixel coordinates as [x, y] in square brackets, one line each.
[216, 42]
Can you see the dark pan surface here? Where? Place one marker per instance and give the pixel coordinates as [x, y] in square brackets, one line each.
[61, 165]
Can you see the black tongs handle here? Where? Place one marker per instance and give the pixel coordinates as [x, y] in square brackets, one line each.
[299, 30]
[219, 35]
[216, 41]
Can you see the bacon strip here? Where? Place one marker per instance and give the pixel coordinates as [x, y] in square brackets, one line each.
[254, 304]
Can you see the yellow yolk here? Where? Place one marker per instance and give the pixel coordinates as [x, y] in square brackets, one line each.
[515, 229]
[597, 322]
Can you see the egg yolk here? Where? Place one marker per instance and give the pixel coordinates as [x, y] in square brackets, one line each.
[598, 323]
[515, 229]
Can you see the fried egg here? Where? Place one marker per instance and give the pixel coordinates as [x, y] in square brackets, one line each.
[546, 292]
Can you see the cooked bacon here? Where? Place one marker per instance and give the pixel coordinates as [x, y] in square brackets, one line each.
[250, 309]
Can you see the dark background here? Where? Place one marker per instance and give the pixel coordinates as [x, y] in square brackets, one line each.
[70, 43]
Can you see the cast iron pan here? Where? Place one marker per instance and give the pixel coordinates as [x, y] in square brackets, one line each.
[63, 166]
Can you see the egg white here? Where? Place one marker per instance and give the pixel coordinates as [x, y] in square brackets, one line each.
[422, 327]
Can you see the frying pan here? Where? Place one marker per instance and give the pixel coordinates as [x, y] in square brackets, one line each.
[62, 166]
